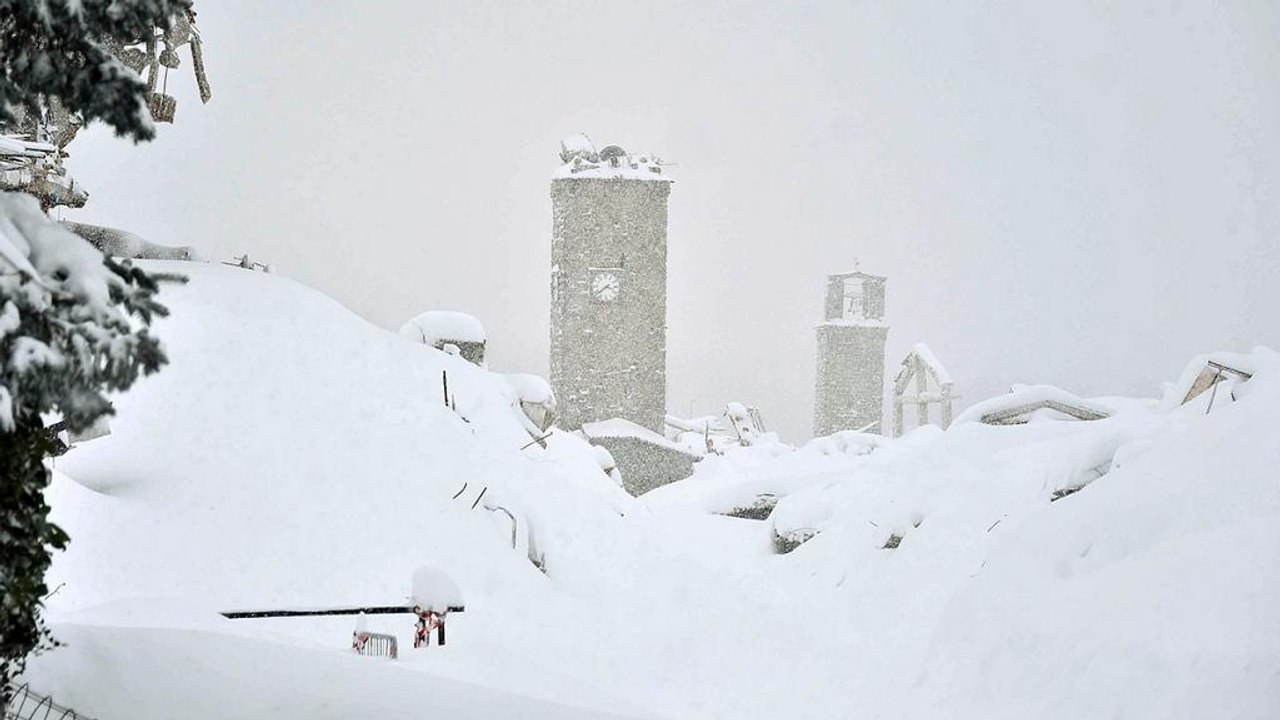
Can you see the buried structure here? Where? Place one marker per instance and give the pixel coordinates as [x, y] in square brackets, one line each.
[1218, 375]
[449, 331]
[646, 459]
[1025, 403]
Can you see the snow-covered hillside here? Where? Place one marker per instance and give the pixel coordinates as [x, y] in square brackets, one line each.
[293, 455]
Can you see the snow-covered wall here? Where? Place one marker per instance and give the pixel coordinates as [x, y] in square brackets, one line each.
[850, 377]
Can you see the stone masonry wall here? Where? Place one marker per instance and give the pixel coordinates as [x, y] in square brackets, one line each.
[645, 466]
[850, 379]
[608, 358]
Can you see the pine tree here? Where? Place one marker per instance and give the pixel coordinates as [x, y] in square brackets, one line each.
[61, 49]
[74, 325]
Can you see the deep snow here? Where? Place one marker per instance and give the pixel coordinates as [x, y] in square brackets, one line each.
[293, 455]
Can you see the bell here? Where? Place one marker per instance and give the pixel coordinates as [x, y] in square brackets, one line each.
[169, 59]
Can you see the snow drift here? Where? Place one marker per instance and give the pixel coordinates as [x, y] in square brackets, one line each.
[294, 455]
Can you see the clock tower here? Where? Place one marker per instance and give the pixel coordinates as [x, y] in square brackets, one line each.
[609, 286]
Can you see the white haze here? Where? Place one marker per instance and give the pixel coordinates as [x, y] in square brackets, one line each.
[1082, 194]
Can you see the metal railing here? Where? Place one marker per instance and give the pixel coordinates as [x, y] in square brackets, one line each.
[375, 644]
[27, 705]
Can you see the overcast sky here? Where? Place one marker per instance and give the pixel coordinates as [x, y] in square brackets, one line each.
[1077, 193]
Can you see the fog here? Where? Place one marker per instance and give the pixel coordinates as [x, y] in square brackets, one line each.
[1083, 194]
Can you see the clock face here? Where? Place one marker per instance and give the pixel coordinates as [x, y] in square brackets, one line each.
[605, 286]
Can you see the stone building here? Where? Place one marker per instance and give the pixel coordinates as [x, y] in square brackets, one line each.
[609, 286]
[444, 328]
[646, 459]
[850, 380]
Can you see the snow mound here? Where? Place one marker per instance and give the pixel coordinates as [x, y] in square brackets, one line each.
[437, 326]
[129, 672]
[1150, 595]
[1031, 396]
[292, 455]
[280, 409]
[433, 589]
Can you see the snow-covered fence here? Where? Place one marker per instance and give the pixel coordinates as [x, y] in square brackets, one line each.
[375, 644]
[27, 705]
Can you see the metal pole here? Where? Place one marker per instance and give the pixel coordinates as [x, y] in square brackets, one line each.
[1216, 379]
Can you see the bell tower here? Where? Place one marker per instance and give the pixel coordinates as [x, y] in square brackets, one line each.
[851, 338]
[609, 286]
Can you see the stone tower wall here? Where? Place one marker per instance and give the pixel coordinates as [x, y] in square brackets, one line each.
[608, 359]
[850, 381]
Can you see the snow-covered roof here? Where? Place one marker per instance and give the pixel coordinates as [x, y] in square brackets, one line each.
[1259, 360]
[581, 160]
[436, 326]
[10, 145]
[1026, 399]
[623, 428]
[531, 388]
[921, 353]
[927, 357]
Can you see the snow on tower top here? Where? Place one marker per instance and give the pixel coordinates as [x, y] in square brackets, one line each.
[581, 160]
